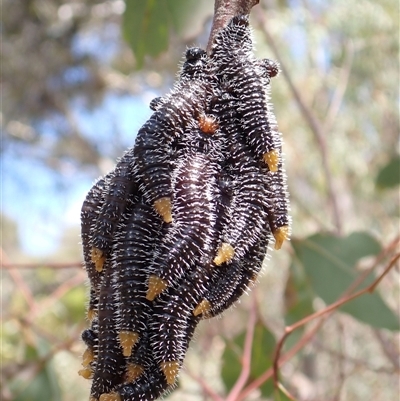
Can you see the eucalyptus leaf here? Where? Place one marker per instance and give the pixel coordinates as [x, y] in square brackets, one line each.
[146, 28]
[329, 263]
[147, 24]
[389, 175]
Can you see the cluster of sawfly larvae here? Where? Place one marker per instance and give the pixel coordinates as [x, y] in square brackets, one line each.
[178, 231]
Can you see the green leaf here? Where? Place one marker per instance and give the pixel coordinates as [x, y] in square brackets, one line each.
[389, 176]
[329, 263]
[147, 24]
[261, 358]
[179, 10]
[231, 366]
[298, 297]
[145, 27]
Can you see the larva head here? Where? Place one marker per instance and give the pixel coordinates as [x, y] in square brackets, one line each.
[156, 103]
[194, 66]
[89, 337]
[268, 68]
[235, 37]
[194, 54]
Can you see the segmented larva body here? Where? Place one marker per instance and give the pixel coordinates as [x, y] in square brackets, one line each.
[89, 357]
[174, 320]
[194, 211]
[234, 65]
[110, 364]
[151, 382]
[279, 213]
[143, 379]
[90, 337]
[187, 249]
[149, 386]
[133, 248]
[194, 68]
[247, 212]
[155, 140]
[229, 283]
[141, 358]
[278, 217]
[121, 186]
[89, 215]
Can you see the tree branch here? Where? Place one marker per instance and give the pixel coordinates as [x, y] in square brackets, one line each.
[325, 311]
[224, 11]
[50, 265]
[308, 335]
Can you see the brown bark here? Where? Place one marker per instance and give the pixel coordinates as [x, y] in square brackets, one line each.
[224, 11]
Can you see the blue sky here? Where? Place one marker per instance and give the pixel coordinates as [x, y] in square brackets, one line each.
[44, 202]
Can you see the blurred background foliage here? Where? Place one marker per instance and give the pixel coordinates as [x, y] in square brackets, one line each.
[76, 81]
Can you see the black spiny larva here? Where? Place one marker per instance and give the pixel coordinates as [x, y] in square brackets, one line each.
[89, 214]
[279, 209]
[246, 215]
[121, 186]
[229, 282]
[110, 364]
[174, 320]
[209, 163]
[132, 256]
[234, 65]
[155, 140]
[194, 212]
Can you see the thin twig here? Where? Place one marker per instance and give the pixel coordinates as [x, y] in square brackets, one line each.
[306, 337]
[246, 357]
[50, 265]
[327, 310]
[23, 288]
[57, 294]
[282, 389]
[388, 250]
[19, 281]
[304, 340]
[205, 387]
[340, 90]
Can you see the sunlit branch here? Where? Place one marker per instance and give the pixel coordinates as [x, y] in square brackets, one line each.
[224, 10]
